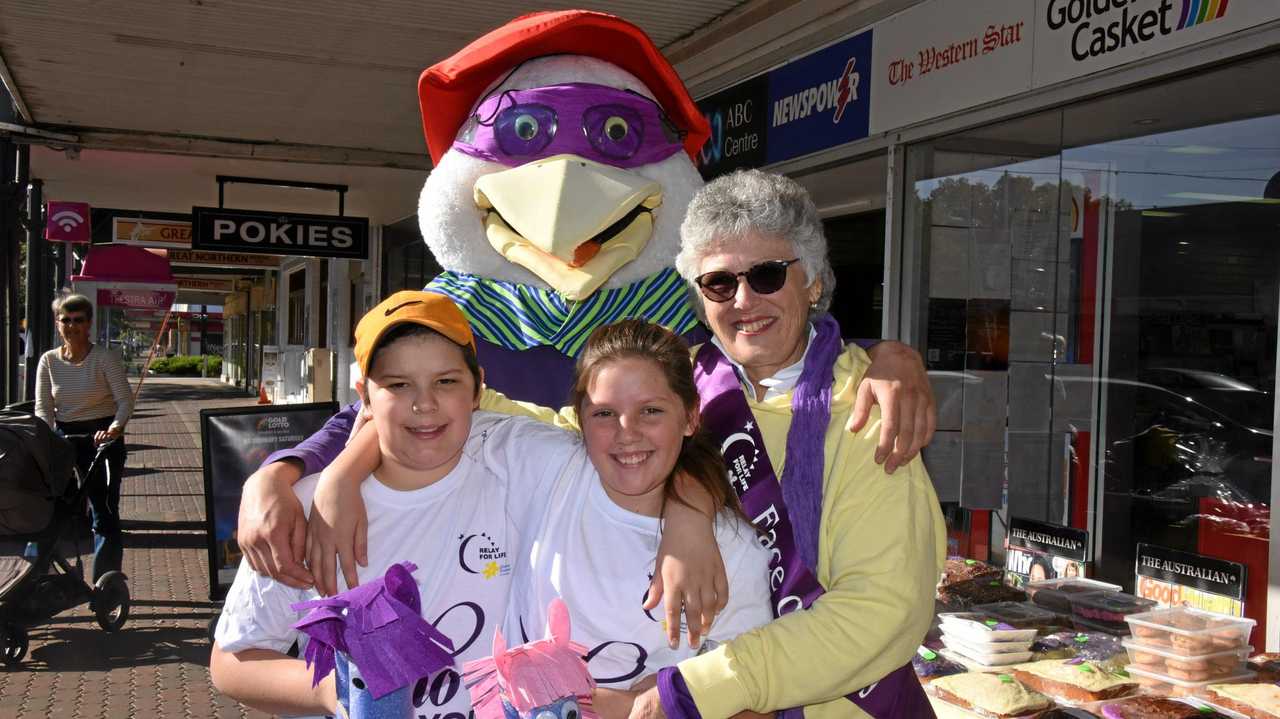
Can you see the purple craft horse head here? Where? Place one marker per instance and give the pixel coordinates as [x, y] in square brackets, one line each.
[375, 637]
[543, 679]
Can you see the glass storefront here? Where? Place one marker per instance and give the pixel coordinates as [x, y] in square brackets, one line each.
[1097, 304]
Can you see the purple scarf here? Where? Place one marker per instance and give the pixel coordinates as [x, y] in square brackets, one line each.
[726, 415]
[806, 439]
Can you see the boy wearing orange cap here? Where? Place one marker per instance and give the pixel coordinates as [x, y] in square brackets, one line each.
[435, 502]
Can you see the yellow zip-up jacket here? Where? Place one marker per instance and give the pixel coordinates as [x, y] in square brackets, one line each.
[881, 548]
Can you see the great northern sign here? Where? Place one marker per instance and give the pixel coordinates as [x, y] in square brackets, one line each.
[276, 233]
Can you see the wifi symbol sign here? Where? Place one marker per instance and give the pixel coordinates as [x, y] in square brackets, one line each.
[68, 222]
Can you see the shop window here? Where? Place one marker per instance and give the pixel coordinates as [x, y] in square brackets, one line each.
[323, 304]
[407, 264]
[297, 330]
[856, 250]
[1097, 306]
[850, 197]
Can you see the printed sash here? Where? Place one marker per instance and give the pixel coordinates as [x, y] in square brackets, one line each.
[727, 417]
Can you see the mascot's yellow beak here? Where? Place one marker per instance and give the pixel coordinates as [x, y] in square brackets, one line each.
[568, 220]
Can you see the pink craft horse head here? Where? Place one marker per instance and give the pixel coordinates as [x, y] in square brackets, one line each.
[543, 679]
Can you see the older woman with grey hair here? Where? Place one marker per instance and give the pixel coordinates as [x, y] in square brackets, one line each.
[856, 553]
[82, 389]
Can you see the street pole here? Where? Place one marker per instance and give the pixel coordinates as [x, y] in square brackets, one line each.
[10, 197]
[39, 295]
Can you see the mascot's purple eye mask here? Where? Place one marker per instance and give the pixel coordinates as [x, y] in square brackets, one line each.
[604, 124]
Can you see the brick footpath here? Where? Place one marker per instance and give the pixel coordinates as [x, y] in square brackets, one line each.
[157, 665]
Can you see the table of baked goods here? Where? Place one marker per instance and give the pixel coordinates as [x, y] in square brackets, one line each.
[1080, 648]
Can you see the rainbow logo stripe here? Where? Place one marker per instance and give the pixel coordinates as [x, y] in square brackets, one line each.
[1195, 12]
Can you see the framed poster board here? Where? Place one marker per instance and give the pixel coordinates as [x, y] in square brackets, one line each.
[234, 442]
[1182, 579]
[1038, 551]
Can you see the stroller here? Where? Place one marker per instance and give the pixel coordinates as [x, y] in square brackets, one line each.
[41, 500]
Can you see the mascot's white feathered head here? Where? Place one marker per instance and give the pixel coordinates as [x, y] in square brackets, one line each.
[562, 144]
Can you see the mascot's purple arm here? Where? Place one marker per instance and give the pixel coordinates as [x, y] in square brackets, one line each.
[540, 375]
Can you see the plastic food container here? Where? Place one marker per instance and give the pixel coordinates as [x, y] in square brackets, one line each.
[1056, 594]
[1192, 669]
[1160, 683]
[984, 662]
[1107, 610]
[973, 648]
[1190, 632]
[980, 629]
[1023, 615]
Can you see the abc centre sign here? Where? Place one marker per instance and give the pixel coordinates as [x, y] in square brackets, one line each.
[275, 233]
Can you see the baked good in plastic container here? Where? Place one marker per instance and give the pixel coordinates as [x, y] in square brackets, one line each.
[1267, 665]
[979, 591]
[999, 696]
[1100, 648]
[1254, 700]
[1107, 610]
[1160, 683]
[930, 665]
[1055, 594]
[979, 657]
[1190, 632]
[1075, 681]
[1153, 707]
[982, 629]
[958, 570]
[1203, 667]
[1023, 615]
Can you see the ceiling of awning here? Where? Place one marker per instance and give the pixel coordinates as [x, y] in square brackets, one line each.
[300, 74]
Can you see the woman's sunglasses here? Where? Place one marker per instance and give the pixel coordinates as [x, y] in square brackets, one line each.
[764, 279]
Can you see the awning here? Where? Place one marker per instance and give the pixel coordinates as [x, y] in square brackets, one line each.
[126, 276]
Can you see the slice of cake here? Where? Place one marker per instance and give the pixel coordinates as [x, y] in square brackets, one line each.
[1152, 707]
[995, 695]
[1074, 680]
[1267, 665]
[1256, 701]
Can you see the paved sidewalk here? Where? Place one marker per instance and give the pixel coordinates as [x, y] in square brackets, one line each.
[157, 665]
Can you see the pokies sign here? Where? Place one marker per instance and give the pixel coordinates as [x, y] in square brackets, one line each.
[275, 233]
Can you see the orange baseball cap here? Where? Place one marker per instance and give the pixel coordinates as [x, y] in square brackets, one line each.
[428, 309]
[448, 89]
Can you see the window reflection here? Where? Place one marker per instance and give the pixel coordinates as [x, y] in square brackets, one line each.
[1097, 304]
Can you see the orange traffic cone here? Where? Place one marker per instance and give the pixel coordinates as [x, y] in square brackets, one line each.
[262, 394]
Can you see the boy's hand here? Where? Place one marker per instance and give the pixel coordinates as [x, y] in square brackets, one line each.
[612, 703]
[689, 573]
[271, 528]
[338, 525]
[647, 705]
[898, 382]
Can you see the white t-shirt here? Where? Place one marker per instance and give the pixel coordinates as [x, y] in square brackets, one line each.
[462, 532]
[598, 558]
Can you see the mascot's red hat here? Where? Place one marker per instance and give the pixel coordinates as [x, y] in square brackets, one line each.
[448, 90]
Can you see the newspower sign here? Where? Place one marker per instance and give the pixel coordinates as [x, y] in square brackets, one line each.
[276, 233]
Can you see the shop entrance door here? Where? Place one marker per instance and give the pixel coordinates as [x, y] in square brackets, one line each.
[851, 199]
